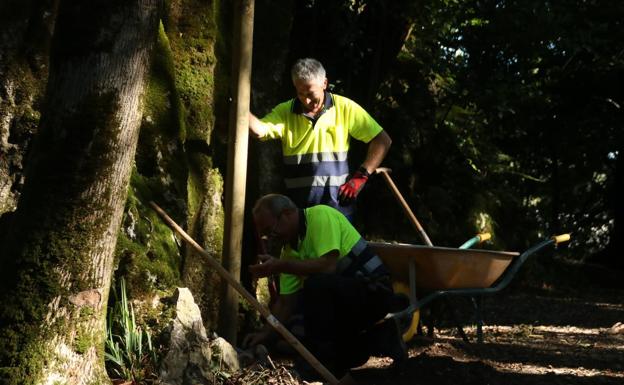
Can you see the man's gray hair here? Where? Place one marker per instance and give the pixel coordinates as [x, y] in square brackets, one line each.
[308, 69]
[275, 203]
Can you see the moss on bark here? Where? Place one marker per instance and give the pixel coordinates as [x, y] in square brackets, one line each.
[24, 41]
[148, 255]
[174, 162]
[57, 251]
[193, 30]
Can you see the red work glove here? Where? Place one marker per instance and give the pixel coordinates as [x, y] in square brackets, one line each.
[352, 187]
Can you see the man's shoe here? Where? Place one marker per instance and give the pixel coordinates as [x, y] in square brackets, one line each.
[388, 341]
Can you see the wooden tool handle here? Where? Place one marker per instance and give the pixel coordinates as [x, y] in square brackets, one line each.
[385, 172]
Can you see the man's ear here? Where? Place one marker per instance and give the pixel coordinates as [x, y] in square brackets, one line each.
[289, 211]
[290, 215]
[325, 84]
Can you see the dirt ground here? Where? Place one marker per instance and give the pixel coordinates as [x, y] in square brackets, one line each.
[531, 336]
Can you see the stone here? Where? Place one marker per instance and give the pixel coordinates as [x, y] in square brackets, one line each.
[228, 357]
[192, 358]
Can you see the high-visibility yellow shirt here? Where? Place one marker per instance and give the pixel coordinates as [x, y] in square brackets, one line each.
[326, 230]
[315, 151]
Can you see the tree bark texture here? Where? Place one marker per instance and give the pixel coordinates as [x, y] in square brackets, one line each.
[25, 31]
[194, 31]
[57, 256]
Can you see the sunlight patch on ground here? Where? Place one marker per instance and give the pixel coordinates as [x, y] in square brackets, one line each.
[536, 369]
[603, 305]
[547, 329]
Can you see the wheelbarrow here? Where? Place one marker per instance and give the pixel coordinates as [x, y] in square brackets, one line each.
[444, 272]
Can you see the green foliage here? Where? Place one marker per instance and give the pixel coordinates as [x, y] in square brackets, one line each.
[130, 354]
[509, 111]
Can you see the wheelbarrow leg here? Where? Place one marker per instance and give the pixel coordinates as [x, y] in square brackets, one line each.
[431, 321]
[477, 302]
[458, 325]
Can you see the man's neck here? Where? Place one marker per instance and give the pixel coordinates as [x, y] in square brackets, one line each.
[301, 228]
[299, 108]
[317, 111]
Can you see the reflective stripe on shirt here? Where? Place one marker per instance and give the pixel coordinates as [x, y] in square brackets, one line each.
[315, 181]
[315, 158]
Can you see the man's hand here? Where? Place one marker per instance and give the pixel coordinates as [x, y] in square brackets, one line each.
[352, 187]
[255, 126]
[265, 268]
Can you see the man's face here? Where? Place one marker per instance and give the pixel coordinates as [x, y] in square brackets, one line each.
[311, 94]
[276, 229]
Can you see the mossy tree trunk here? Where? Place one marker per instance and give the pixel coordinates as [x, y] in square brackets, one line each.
[193, 28]
[57, 255]
[25, 30]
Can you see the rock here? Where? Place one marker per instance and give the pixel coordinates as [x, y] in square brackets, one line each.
[227, 355]
[192, 357]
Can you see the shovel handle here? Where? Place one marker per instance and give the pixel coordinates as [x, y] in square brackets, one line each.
[385, 172]
[264, 311]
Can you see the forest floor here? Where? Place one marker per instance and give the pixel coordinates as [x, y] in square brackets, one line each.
[571, 333]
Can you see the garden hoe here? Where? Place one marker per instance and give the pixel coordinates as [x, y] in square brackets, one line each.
[385, 172]
[264, 311]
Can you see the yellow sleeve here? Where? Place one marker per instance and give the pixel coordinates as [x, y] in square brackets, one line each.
[361, 125]
[275, 121]
[324, 232]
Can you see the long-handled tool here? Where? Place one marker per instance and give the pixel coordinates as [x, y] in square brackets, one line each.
[411, 289]
[274, 322]
[385, 172]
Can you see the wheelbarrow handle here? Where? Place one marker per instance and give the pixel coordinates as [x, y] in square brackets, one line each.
[476, 239]
[484, 237]
[505, 279]
[561, 238]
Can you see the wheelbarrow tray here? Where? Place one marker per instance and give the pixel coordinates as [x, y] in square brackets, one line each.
[441, 268]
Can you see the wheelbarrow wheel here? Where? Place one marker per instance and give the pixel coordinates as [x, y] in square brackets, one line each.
[410, 324]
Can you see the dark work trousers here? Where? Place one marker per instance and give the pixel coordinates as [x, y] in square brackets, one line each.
[338, 311]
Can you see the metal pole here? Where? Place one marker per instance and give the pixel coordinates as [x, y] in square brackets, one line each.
[237, 164]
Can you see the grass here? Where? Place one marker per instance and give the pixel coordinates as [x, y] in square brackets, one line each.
[130, 354]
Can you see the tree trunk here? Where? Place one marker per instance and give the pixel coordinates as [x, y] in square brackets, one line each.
[194, 31]
[57, 255]
[25, 30]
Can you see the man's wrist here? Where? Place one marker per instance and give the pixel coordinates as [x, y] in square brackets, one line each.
[362, 170]
[277, 266]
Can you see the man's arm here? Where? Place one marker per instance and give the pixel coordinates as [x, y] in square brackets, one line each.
[377, 149]
[271, 265]
[286, 304]
[283, 309]
[256, 128]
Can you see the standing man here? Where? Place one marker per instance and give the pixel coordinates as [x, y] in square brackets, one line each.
[329, 274]
[315, 129]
